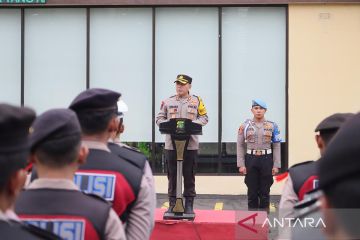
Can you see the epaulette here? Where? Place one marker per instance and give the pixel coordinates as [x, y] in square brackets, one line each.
[247, 121]
[96, 197]
[270, 121]
[131, 148]
[302, 163]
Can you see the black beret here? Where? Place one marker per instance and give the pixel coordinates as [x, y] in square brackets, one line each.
[14, 128]
[341, 159]
[333, 122]
[53, 125]
[184, 79]
[95, 99]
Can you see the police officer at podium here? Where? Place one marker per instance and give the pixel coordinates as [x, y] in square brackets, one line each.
[182, 105]
[258, 155]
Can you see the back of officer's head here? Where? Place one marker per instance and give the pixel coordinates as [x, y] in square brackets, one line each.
[14, 147]
[339, 171]
[56, 137]
[95, 109]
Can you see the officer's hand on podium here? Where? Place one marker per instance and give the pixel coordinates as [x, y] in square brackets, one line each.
[242, 170]
[275, 171]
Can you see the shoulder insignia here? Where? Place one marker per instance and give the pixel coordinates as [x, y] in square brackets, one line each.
[201, 107]
[95, 196]
[302, 163]
[162, 105]
[131, 148]
[241, 129]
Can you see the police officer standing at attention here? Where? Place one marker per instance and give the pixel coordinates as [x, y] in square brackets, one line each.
[303, 177]
[14, 148]
[120, 182]
[57, 152]
[182, 105]
[258, 155]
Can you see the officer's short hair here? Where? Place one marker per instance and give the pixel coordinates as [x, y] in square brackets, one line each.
[59, 152]
[95, 122]
[9, 164]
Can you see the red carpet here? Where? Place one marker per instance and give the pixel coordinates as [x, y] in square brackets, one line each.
[211, 225]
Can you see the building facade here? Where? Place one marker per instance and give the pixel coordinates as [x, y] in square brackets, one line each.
[301, 58]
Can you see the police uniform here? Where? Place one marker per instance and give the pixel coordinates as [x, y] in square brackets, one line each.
[190, 107]
[95, 219]
[57, 204]
[130, 194]
[258, 149]
[14, 130]
[303, 177]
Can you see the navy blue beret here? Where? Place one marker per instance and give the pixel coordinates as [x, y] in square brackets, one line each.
[340, 161]
[53, 125]
[95, 99]
[333, 122]
[14, 128]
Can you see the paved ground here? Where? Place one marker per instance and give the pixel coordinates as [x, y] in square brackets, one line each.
[220, 202]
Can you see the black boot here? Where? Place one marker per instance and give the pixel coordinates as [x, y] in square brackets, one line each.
[189, 203]
[172, 201]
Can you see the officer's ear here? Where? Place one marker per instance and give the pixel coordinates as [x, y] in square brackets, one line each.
[16, 183]
[113, 125]
[320, 143]
[83, 153]
[331, 228]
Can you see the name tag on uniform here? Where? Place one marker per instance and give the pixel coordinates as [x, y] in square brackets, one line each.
[100, 184]
[66, 229]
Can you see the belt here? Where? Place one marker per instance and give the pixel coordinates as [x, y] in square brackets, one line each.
[258, 152]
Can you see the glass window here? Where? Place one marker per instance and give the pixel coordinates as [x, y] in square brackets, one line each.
[187, 42]
[254, 61]
[55, 57]
[121, 59]
[253, 66]
[10, 57]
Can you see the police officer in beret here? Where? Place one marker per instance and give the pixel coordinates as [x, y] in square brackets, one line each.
[339, 180]
[182, 105]
[14, 149]
[258, 155]
[121, 182]
[303, 177]
[57, 153]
